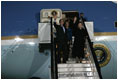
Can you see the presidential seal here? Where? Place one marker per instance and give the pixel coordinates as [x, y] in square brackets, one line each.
[54, 13]
[103, 54]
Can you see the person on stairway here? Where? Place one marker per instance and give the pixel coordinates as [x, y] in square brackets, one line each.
[69, 32]
[79, 42]
[82, 18]
[69, 37]
[61, 41]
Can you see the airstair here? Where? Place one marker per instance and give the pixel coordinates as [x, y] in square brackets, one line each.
[88, 69]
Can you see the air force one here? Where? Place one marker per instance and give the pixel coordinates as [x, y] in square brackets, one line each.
[27, 40]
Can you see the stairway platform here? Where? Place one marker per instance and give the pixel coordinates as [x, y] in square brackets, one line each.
[78, 78]
[73, 65]
[73, 69]
[66, 74]
[75, 61]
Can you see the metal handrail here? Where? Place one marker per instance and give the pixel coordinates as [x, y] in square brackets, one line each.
[92, 51]
[91, 59]
[54, 70]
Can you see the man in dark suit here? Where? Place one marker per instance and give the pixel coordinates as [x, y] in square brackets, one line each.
[61, 41]
[82, 18]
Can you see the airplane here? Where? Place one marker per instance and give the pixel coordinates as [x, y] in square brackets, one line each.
[27, 43]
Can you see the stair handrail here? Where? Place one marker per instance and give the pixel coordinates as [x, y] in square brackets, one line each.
[54, 70]
[93, 53]
[91, 60]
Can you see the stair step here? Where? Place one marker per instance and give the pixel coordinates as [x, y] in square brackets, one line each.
[78, 77]
[75, 74]
[73, 65]
[75, 61]
[73, 69]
